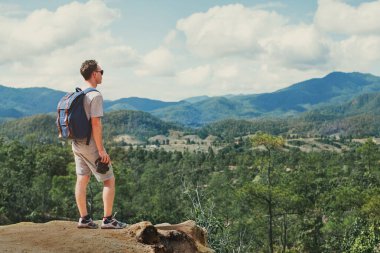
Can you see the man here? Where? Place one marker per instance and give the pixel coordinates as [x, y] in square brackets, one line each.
[86, 155]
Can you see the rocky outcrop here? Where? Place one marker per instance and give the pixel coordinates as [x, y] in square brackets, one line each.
[64, 237]
[185, 237]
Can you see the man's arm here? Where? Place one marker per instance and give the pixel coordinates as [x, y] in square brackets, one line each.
[98, 137]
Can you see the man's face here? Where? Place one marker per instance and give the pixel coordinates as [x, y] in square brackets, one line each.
[99, 75]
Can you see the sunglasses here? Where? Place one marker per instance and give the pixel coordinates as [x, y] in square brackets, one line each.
[101, 71]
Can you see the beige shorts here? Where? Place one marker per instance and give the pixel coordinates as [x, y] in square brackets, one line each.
[85, 165]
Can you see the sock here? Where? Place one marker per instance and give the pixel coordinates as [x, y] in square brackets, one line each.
[86, 218]
[107, 219]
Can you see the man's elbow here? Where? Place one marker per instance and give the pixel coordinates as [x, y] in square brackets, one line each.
[96, 122]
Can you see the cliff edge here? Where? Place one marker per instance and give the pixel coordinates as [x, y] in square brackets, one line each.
[143, 237]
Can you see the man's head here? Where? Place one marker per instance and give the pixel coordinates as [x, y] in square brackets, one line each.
[91, 71]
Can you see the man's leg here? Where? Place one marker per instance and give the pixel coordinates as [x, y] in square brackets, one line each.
[108, 196]
[80, 194]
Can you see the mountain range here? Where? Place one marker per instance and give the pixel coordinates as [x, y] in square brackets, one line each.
[334, 89]
[358, 117]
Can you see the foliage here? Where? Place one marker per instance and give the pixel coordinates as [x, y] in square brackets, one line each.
[136, 123]
[250, 198]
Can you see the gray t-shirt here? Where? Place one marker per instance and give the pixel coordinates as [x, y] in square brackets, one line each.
[93, 105]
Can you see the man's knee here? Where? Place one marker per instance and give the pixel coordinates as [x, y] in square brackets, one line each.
[83, 180]
[109, 182]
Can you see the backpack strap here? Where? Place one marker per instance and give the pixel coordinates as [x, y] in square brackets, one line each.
[89, 135]
[77, 89]
[90, 89]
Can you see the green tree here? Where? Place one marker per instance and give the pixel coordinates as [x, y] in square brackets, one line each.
[270, 144]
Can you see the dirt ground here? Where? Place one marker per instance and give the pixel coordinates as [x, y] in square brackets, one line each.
[64, 236]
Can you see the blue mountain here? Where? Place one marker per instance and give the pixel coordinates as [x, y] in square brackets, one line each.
[333, 89]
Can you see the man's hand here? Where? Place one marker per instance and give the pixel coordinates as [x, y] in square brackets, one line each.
[105, 158]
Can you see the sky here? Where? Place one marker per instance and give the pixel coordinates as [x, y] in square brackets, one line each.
[176, 49]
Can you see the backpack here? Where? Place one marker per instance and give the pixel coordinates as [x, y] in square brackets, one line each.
[72, 120]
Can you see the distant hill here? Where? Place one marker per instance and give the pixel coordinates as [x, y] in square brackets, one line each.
[195, 99]
[43, 127]
[139, 124]
[21, 102]
[138, 104]
[16, 103]
[202, 112]
[363, 104]
[359, 117]
[335, 88]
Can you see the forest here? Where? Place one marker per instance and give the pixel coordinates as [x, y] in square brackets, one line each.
[253, 195]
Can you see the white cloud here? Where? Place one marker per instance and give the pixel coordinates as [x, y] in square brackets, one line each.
[227, 49]
[226, 72]
[359, 48]
[300, 46]
[59, 68]
[158, 62]
[238, 31]
[250, 50]
[46, 48]
[194, 76]
[170, 37]
[226, 30]
[246, 49]
[358, 53]
[338, 17]
[119, 55]
[236, 49]
[244, 76]
[44, 31]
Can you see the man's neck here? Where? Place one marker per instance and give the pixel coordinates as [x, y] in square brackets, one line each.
[91, 84]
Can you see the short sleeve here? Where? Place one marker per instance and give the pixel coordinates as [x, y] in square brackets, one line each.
[96, 106]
